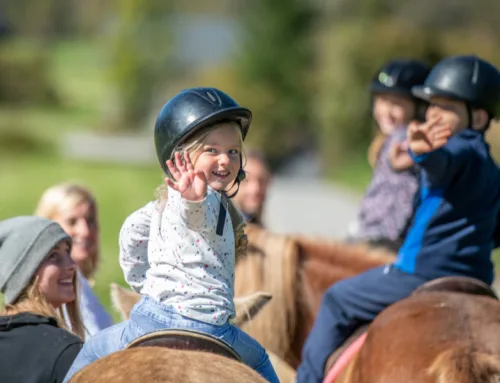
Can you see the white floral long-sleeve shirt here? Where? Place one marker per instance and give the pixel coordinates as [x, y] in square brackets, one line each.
[133, 242]
[191, 268]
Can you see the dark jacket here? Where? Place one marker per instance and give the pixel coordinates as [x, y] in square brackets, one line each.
[453, 228]
[33, 349]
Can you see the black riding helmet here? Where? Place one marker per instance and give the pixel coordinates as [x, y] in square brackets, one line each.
[465, 78]
[188, 112]
[398, 76]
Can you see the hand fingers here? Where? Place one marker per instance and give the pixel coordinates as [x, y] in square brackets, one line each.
[180, 163]
[187, 160]
[394, 147]
[184, 184]
[432, 123]
[413, 128]
[445, 130]
[444, 135]
[172, 168]
[199, 173]
[441, 130]
[439, 143]
[171, 184]
[428, 125]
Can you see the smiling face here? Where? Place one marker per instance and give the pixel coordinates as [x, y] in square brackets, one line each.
[219, 155]
[56, 276]
[392, 111]
[253, 190]
[80, 222]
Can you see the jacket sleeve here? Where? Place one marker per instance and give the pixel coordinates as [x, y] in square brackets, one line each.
[133, 243]
[443, 164]
[64, 361]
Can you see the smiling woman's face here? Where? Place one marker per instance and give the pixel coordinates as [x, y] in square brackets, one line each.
[80, 222]
[56, 276]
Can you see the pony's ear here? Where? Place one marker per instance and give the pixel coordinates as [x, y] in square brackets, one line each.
[123, 299]
[249, 306]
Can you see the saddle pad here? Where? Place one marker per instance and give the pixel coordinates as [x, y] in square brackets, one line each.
[344, 359]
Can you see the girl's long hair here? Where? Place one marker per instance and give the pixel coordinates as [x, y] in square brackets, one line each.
[32, 300]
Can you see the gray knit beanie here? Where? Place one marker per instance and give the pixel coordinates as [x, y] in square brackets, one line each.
[25, 242]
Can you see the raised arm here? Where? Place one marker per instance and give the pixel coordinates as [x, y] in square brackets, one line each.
[439, 153]
[443, 164]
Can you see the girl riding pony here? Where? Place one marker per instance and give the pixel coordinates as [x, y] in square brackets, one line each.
[192, 244]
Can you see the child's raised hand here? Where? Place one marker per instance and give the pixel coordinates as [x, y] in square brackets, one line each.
[399, 158]
[429, 136]
[191, 183]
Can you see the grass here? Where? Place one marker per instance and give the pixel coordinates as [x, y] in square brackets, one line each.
[119, 191]
[79, 75]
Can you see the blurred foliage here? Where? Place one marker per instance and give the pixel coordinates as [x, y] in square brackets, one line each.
[274, 68]
[16, 140]
[25, 75]
[140, 48]
[349, 54]
[303, 67]
[55, 19]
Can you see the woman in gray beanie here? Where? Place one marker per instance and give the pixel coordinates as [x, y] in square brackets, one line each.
[37, 278]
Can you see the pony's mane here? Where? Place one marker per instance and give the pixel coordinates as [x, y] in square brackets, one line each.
[325, 262]
[270, 265]
[295, 271]
[352, 256]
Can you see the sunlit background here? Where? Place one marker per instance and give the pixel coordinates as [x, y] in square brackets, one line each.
[81, 83]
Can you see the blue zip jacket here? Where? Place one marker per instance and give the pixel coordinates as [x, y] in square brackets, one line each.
[453, 228]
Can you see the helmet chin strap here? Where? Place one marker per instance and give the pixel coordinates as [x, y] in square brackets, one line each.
[239, 177]
[469, 113]
[221, 220]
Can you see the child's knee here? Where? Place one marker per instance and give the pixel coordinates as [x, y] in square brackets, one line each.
[332, 293]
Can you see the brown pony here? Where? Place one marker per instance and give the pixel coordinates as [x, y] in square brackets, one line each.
[295, 270]
[435, 337]
[157, 364]
[247, 308]
[445, 336]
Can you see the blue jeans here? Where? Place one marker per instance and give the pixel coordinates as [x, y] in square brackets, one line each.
[148, 316]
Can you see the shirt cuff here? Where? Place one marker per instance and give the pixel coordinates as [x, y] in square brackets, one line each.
[193, 205]
[417, 158]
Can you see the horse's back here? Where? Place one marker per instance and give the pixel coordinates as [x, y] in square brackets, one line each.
[409, 337]
[157, 364]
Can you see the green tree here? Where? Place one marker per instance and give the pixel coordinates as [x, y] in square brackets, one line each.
[274, 66]
[140, 50]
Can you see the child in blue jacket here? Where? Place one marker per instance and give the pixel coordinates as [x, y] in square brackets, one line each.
[453, 228]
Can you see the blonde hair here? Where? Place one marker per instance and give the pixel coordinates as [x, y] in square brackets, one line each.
[32, 300]
[192, 146]
[375, 148]
[68, 194]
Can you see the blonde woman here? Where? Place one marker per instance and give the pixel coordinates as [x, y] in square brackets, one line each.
[38, 279]
[75, 209]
